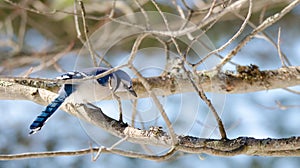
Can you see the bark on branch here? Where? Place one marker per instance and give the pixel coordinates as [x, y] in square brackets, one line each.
[221, 147]
[247, 79]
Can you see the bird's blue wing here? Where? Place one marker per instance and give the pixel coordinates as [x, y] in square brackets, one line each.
[40, 120]
[65, 91]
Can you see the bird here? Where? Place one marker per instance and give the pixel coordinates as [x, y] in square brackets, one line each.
[89, 90]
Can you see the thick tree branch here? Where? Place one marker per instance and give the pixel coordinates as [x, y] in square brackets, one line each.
[246, 79]
[250, 146]
[156, 136]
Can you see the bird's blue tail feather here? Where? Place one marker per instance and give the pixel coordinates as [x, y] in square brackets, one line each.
[40, 120]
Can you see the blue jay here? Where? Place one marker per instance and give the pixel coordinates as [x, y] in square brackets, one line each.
[85, 91]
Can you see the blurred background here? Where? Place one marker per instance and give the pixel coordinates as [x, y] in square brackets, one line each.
[46, 45]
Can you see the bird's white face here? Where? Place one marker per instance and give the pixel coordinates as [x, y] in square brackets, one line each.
[127, 86]
[124, 82]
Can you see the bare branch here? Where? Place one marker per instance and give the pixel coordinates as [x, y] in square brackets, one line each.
[268, 22]
[224, 82]
[279, 48]
[242, 27]
[85, 30]
[87, 151]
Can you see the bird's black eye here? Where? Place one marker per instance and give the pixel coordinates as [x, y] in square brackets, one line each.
[127, 87]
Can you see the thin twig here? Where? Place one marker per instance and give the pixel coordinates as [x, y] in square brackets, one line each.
[157, 103]
[292, 91]
[22, 28]
[265, 36]
[210, 10]
[118, 100]
[148, 26]
[268, 22]
[203, 96]
[242, 27]
[179, 9]
[87, 151]
[110, 148]
[134, 112]
[167, 54]
[54, 11]
[112, 11]
[85, 30]
[135, 47]
[196, 39]
[279, 48]
[234, 6]
[262, 14]
[53, 59]
[77, 27]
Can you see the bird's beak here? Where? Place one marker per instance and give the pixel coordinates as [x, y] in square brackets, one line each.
[130, 90]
